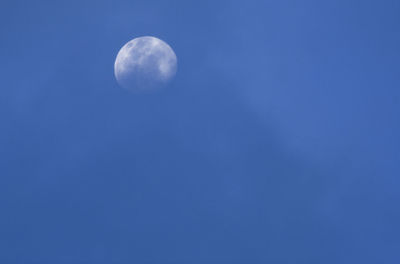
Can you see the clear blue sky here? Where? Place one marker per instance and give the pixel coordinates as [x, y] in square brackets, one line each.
[277, 142]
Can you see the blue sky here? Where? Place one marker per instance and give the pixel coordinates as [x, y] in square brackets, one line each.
[277, 142]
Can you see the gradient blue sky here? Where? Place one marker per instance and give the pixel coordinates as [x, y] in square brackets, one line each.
[277, 142]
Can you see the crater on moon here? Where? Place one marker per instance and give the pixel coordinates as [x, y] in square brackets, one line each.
[145, 64]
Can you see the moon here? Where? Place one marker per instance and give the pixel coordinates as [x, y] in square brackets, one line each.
[145, 64]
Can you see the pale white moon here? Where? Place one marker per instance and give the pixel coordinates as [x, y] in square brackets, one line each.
[145, 64]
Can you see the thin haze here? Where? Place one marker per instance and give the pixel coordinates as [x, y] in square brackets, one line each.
[277, 142]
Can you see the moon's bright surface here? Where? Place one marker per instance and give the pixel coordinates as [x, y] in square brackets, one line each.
[145, 64]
